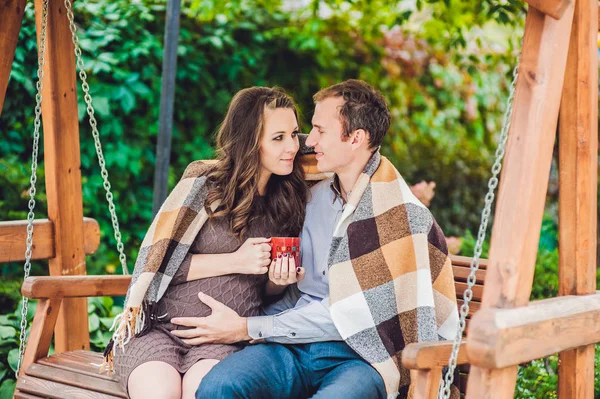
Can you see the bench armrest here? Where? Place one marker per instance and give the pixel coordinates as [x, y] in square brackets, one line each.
[74, 286]
[431, 355]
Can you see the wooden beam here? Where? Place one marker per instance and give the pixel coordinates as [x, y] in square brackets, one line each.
[500, 338]
[431, 355]
[524, 181]
[63, 174]
[578, 179]
[425, 383]
[74, 286]
[552, 8]
[466, 261]
[13, 235]
[11, 15]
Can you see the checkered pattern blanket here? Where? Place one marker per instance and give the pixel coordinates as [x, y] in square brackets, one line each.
[390, 277]
[162, 252]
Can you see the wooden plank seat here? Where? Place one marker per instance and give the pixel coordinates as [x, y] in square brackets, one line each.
[76, 374]
[65, 375]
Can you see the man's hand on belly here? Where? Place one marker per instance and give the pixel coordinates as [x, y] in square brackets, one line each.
[223, 326]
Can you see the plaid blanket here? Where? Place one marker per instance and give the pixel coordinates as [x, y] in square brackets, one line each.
[162, 252]
[390, 277]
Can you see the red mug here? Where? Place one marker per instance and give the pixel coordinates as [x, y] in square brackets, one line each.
[289, 245]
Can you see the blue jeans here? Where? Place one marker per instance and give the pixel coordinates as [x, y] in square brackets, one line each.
[324, 370]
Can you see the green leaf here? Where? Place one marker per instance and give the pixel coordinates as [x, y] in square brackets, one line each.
[127, 101]
[101, 106]
[3, 372]
[107, 302]
[94, 322]
[107, 321]
[7, 332]
[13, 358]
[7, 388]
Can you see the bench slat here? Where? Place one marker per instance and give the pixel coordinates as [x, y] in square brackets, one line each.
[23, 395]
[55, 390]
[76, 379]
[87, 363]
[461, 273]
[461, 287]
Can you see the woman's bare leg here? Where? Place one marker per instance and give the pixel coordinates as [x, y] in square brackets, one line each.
[154, 380]
[191, 379]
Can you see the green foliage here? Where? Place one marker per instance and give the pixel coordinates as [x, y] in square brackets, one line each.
[539, 379]
[102, 312]
[9, 347]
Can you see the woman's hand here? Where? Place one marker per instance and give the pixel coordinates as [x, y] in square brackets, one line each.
[283, 271]
[253, 257]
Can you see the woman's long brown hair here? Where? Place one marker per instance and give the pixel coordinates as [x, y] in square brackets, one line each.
[234, 179]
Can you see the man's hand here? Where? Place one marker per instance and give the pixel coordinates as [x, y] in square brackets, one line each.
[223, 326]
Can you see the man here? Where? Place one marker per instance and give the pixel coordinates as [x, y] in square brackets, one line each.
[377, 275]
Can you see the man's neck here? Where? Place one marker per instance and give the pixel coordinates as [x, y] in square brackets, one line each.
[349, 175]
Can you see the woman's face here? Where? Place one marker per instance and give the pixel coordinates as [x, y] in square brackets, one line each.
[279, 143]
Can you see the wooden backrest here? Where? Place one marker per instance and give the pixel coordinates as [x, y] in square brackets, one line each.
[461, 266]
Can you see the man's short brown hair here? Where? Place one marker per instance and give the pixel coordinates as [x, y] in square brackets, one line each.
[364, 108]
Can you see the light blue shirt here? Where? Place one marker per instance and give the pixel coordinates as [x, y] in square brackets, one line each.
[302, 315]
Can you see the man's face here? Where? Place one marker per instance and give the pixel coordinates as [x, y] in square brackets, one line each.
[333, 154]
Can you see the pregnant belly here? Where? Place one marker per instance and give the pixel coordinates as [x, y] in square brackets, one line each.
[242, 293]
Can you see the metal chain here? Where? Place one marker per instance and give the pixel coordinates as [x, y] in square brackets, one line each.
[94, 125]
[32, 180]
[444, 391]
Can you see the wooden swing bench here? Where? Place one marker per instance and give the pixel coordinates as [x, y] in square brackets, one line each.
[76, 373]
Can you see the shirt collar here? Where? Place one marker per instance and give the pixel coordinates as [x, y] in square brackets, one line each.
[334, 184]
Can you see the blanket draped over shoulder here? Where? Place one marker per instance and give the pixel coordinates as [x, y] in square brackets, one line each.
[162, 252]
[390, 276]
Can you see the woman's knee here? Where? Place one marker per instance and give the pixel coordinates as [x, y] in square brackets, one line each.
[193, 377]
[154, 379]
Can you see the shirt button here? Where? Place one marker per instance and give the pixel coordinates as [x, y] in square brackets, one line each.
[323, 272]
[260, 333]
[293, 334]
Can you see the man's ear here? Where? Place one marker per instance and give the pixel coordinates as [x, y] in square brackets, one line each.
[360, 137]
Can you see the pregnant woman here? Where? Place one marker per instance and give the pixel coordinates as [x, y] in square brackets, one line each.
[212, 236]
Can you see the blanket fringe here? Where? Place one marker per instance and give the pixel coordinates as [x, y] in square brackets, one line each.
[126, 325]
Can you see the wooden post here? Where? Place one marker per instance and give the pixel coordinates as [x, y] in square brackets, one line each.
[578, 179]
[524, 182]
[11, 15]
[554, 8]
[63, 175]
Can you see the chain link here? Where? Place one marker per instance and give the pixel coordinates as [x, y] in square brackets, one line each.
[32, 180]
[94, 125]
[444, 391]
[34, 161]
